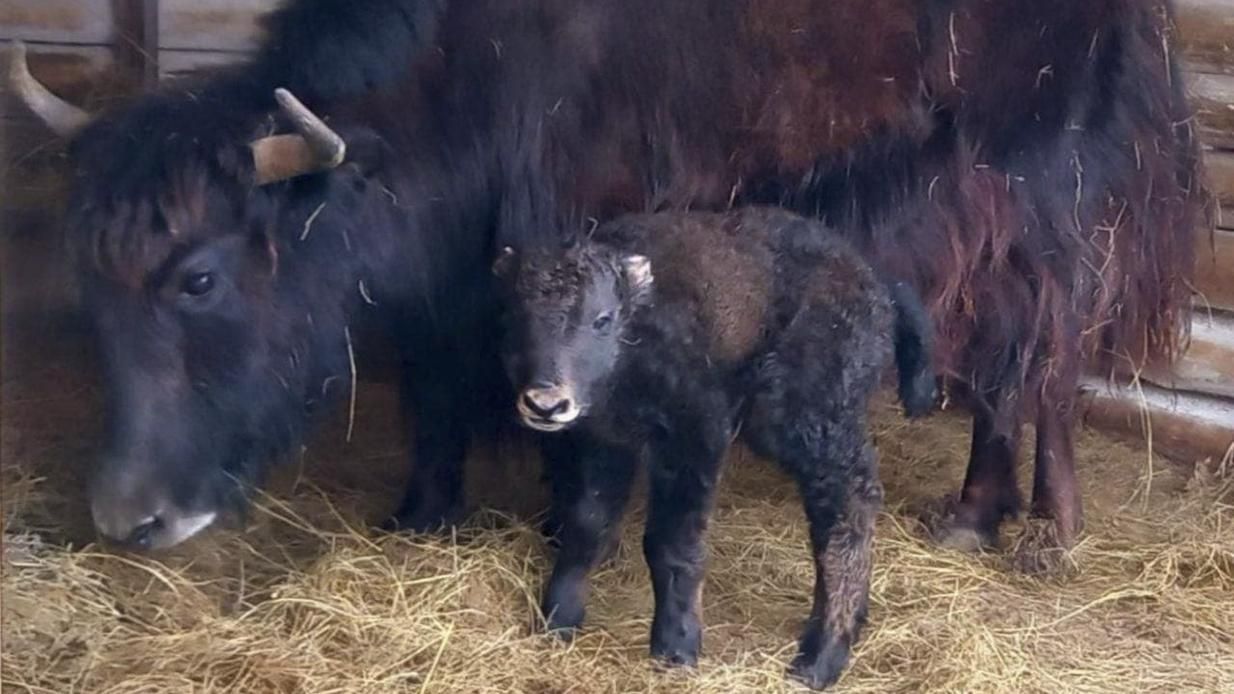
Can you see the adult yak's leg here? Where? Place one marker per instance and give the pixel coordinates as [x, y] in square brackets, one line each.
[990, 491]
[1056, 493]
[683, 472]
[588, 521]
[436, 397]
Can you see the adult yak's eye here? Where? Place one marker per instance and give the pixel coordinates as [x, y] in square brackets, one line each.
[198, 283]
[603, 321]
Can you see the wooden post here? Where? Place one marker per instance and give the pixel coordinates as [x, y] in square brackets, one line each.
[137, 40]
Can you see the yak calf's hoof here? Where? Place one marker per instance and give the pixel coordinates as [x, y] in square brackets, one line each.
[822, 668]
[677, 645]
[821, 658]
[424, 519]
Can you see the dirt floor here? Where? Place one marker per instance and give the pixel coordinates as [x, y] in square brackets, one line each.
[304, 598]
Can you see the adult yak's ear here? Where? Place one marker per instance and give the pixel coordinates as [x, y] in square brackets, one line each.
[367, 152]
[506, 262]
[637, 271]
[263, 253]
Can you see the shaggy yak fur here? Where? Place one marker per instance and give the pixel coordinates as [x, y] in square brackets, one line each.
[665, 335]
[1028, 167]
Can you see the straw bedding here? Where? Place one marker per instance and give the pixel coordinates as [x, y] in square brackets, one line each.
[301, 597]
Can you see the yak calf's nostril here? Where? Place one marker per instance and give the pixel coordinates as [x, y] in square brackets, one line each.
[143, 535]
[542, 409]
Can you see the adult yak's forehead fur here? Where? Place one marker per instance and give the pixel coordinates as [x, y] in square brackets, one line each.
[165, 172]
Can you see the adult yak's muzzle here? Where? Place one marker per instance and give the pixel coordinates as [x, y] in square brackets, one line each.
[135, 511]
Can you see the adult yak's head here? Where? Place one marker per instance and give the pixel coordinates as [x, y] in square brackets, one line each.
[216, 339]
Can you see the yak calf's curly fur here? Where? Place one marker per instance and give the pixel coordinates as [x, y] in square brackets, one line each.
[668, 334]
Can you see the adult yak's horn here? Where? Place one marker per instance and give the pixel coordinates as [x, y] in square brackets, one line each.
[315, 148]
[63, 118]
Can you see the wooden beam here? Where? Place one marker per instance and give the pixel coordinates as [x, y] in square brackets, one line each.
[1207, 368]
[1206, 34]
[1212, 97]
[1219, 167]
[1184, 426]
[1214, 270]
[137, 39]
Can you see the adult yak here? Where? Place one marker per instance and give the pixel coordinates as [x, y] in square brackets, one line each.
[1029, 167]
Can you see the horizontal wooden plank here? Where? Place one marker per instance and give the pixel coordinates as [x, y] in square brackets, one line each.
[1219, 166]
[1206, 34]
[183, 62]
[1212, 97]
[1214, 270]
[211, 25]
[57, 21]
[1184, 426]
[1208, 365]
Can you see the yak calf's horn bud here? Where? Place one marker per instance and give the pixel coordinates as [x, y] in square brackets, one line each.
[314, 148]
[60, 116]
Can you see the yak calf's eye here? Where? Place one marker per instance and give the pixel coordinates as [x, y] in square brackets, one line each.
[603, 321]
[198, 283]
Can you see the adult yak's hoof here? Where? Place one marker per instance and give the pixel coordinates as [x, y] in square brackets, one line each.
[564, 607]
[424, 518]
[961, 526]
[1043, 548]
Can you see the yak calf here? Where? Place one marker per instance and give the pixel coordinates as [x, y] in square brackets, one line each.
[756, 320]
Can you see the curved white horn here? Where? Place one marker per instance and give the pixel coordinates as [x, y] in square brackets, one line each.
[315, 148]
[61, 117]
[326, 144]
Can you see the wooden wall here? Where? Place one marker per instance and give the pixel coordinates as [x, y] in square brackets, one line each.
[91, 52]
[1187, 411]
[94, 50]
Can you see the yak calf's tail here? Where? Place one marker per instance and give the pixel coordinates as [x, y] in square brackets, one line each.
[913, 350]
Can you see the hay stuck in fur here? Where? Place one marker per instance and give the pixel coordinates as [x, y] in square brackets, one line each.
[308, 600]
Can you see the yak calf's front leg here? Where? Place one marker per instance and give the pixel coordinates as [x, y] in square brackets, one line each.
[589, 520]
[683, 482]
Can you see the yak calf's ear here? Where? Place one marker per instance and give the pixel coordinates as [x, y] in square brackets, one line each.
[506, 260]
[637, 271]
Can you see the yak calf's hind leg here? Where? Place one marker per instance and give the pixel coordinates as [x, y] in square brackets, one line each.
[837, 476]
[588, 520]
[683, 481]
[842, 537]
[990, 493]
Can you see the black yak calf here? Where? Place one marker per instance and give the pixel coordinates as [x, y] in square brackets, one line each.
[757, 320]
